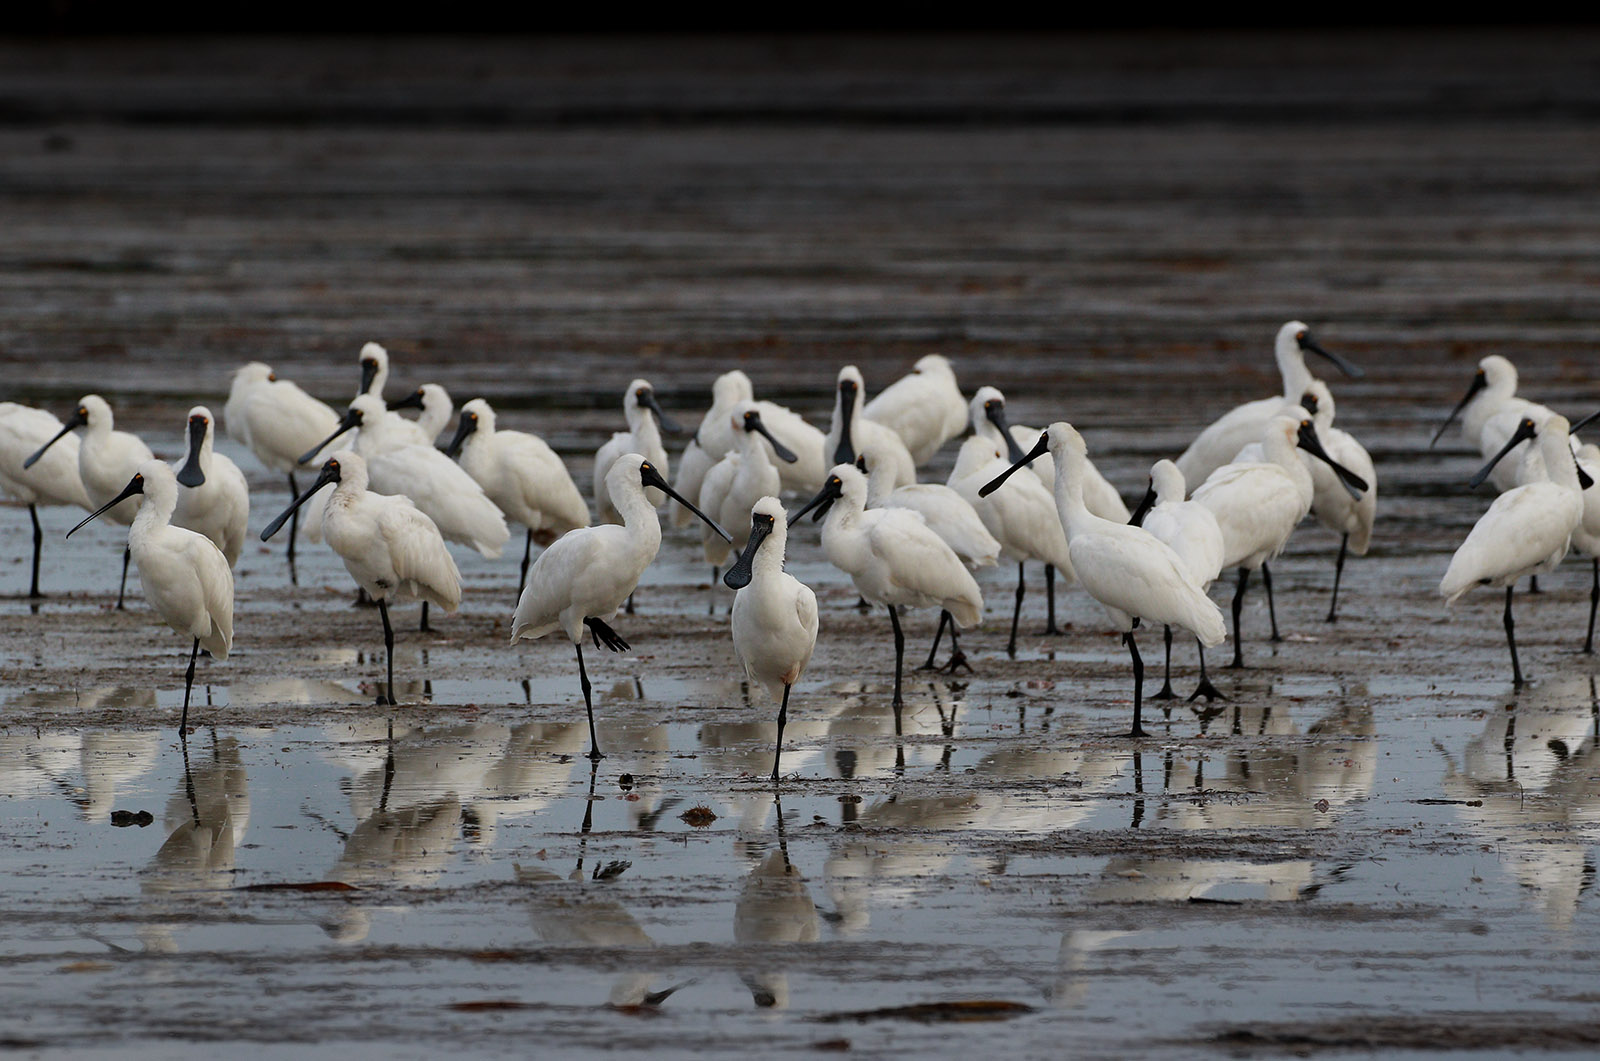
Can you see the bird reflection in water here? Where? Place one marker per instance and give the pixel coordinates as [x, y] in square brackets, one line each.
[1534, 773]
[575, 910]
[775, 907]
[206, 821]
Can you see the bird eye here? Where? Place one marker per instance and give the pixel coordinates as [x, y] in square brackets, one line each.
[82, 411]
[473, 417]
[272, 377]
[1300, 336]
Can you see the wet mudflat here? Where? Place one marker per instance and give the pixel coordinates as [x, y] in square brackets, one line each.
[1374, 843]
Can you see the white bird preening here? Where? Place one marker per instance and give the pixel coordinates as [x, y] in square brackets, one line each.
[107, 459]
[439, 487]
[1492, 398]
[522, 475]
[215, 499]
[392, 550]
[850, 431]
[1191, 531]
[1130, 571]
[1219, 443]
[1258, 504]
[949, 515]
[737, 481]
[584, 578]
[185, 577]
[774, 615]
[277, 421]
[646, 421]
[924, 407]
[53, 480]
[1023, 520]
[1528, 529]
[892, 557]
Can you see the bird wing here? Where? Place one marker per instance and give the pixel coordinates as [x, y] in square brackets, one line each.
[1523, 529]
[920, 563]
[418, 554]
[1140, 575]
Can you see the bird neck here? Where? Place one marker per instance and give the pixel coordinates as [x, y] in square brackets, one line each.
[1292, 367]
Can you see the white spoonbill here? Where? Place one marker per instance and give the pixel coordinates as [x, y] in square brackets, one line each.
[186, 579]
[1023, 520]
[438, 486]
[1218, 444]
[924, 407]
[851, 431]
[215, 499]
[737, 481]
[774, 614]
[374, 361]
[582, 579]
[392, 550]
[1335, 508]
[436, 406]
[1528, 529]
[522, 475]
[892, 557]
[54, 480]
[277, 421]
[1130, 571]
[952, 518]
[987, 414]
[1191, 531]
[1493, 391]
[1586, 539]
[646, 421]
[1258, 504]
[107, 459]
[715, 438]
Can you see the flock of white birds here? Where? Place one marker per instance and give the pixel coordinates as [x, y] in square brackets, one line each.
[1018, 494]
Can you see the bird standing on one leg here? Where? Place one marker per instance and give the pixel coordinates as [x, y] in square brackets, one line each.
[185, 577]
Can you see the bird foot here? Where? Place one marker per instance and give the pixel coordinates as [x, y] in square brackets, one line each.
[1331, 618]
[1052, 630]
[385, 700]
[1137, 732]
[604, 636]
[595, 754]
[958, 659]
[1207, 690]
[1166, 692]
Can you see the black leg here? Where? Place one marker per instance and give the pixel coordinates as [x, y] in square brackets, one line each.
[1511, 639]
[938, 635]
[388, 652]
[1238, 603]
[294, 528]
[423, 627]
[1205, 688]
[958, 658]
[1338, 573]
[629, 609]
[38, 542]
[1272, 609]
[783, 717]
[1011, 646]
[588, 703]
[1166, 692]
[527, 553]
[1533, 584]
[605, 636]
[862, 605]
[1050, 599]
[188, 685]
[122, 587]
[1138, 685]
[899, 655]
[1594, 601]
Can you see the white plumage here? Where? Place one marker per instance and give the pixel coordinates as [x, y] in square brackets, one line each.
[521, 474]
[436, 406]
[987, 413]
[644, 417]
[107, 459]
[1127, 569]
[392, 550]
[52, 480]
[774, 618]
[1189, 529]
[583, 579]
[715, 437]
[1527, 529]
[925, 407]
[851, 432]
[746, 474]
[185, 577]
[274, 418]
[219, 505]
[1219, 443]
[892, 557]
[399, 431]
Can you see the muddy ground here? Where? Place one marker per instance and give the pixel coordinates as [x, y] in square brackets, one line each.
[1374, 844]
